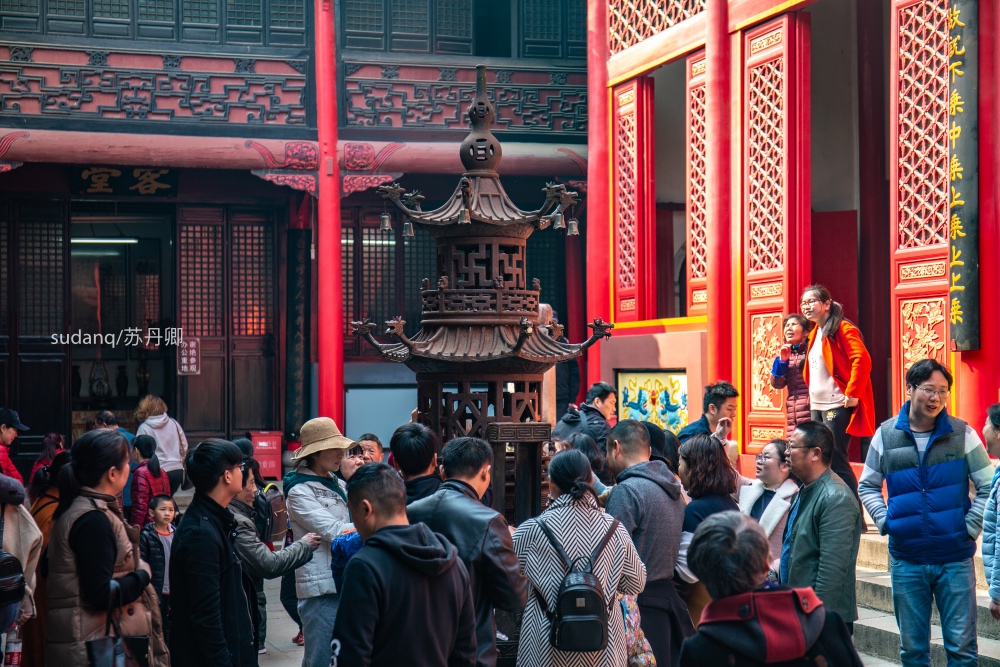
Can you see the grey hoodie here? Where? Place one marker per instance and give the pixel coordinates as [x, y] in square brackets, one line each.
[171, 443]
[647, 500]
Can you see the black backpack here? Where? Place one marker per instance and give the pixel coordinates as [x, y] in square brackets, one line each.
[12, 583]
[580, 620]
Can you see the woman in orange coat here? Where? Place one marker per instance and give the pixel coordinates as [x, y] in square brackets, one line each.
[838, 373]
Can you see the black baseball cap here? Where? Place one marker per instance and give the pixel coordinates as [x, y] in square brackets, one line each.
[9, 417]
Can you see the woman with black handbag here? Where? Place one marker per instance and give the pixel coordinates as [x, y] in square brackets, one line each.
[90, 547]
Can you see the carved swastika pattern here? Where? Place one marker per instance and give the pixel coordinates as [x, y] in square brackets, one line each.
[922, 122]
[766, 186]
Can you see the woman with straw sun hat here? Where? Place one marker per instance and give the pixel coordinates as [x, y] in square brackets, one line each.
[317, 503]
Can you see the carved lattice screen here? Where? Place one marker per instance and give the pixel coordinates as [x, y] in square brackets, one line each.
[697, 248]
[776, 217]
[632, 21]
[634, 247]
[918, 160]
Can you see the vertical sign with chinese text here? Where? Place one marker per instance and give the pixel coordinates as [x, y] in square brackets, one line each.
[963, 172]
[189, 356]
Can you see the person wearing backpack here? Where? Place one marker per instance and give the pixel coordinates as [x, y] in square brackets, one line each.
[573, 617]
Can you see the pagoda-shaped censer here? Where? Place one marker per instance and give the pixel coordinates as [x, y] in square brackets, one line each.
[479, 357]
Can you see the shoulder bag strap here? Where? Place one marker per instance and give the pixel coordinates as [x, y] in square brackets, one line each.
[114, 603]
[552, 539]
[600, 547]
[36, 510]
[3, 513]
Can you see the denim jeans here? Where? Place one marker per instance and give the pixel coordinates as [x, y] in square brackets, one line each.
[318, 615]
[953, 586]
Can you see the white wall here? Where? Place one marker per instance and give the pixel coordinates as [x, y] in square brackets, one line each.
[834, 106]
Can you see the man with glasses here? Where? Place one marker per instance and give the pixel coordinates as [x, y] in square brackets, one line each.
[210, 616]
[823, 533]
[927, 459]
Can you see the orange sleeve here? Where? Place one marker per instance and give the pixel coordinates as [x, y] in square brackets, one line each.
[857, 354]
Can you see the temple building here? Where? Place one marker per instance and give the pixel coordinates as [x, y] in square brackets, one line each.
[188, 200]
[750, 148]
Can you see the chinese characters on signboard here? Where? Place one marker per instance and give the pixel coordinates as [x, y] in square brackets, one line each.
[963, 173]
[189, 357]
[125, 181]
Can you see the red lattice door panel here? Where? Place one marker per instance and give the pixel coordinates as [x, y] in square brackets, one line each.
[227, 300]
[919, 186]
[634, 213]
[697, 202]
[776, 182]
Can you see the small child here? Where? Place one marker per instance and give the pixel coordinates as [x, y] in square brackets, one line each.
[154, 548]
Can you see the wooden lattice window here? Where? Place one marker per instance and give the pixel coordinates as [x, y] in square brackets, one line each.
[347, 281]
[547, 261]
[922, 122]
[766, 176]
[202, 287]
[632, 21]
[259, 23]
[4, 276]
[419, 262]
[408, 26]
[253, 279]
[41, 267]
[378, 273]
[553, 28]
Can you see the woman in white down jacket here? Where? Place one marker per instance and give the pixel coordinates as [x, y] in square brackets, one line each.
[317, 503]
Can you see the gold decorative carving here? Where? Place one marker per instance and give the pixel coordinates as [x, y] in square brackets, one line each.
[699, 296]
[698, 68]
[763, 291]
[923, 330]
[627, 304]
[759, 434]
[925, 270]
[765, 342]
[626, 97]
[765, 42]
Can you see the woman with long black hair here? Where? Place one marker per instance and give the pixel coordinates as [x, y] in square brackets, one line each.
[91, 545]
[837, 371]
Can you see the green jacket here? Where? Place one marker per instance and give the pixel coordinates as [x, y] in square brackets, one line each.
[824, 543]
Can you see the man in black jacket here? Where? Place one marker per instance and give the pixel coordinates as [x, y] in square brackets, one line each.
[592, 419]
[406, 597]
[210, 611]
[415, 451]
[481, 535]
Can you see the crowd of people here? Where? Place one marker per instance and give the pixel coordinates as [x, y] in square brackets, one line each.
[652, 549]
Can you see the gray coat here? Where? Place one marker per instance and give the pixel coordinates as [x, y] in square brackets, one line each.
[260, 562]
[647, 500]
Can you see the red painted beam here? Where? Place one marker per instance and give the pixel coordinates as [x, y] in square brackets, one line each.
[330, 325]
[717, 159]
[599, 219]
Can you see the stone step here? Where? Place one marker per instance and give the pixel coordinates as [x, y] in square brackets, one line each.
[875, 633]
[874, 591]
[873, 553]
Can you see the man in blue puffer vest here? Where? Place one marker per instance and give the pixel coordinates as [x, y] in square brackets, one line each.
[927, 459]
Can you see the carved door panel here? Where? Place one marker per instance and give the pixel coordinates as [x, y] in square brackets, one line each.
[227, 300]
[34, 298]
[697, 205]
[776, 183]
[634, 212]
[201, 312]
[919, 187]
[253, 321]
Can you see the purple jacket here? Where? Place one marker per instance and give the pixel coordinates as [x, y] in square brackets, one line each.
[789, 374]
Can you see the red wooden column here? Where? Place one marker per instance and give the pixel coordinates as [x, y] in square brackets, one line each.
[918, 186]
[330, 327]
[717, 157]
[598, 180]
[776, 197]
